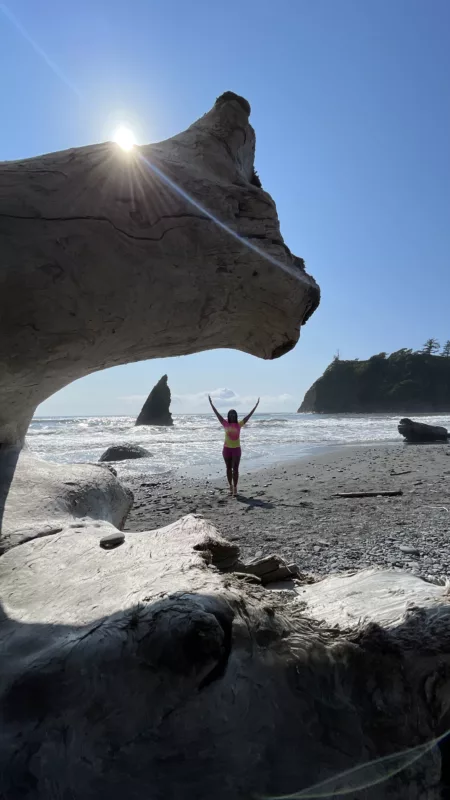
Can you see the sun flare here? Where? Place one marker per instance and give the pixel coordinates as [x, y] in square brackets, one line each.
[124, 137]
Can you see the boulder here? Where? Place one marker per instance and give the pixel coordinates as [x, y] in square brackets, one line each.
[156, 409]
[122, 452]
[421, 432]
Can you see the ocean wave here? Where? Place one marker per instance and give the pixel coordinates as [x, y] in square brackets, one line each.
[196, 440]
[46, 432]
[271, 423]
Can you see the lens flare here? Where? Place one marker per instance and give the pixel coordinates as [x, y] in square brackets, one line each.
[124, 137]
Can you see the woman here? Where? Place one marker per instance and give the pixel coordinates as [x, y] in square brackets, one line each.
[232, 446]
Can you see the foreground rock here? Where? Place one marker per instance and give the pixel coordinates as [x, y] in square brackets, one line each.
[95, 270]
[156, 409]
[122, 452]
[146, 667]
[421, 432]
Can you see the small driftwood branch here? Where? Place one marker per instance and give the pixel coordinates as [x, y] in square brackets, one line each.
[392, 493]
[405, 472]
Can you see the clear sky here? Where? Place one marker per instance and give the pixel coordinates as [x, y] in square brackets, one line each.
[351, 105]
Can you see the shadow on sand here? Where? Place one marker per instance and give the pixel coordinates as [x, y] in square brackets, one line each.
[251, 502]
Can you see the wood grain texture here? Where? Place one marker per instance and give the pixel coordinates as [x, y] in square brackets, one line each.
[144, 667]
[142, 671]
[109, 257]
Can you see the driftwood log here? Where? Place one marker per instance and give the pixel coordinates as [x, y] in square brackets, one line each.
[382, 493]
[108, 257]
[143, 667]
[134, 666]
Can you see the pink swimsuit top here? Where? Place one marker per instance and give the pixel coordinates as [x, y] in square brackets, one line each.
[232, 433]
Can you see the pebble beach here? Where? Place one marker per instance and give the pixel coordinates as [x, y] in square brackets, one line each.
[293, 509]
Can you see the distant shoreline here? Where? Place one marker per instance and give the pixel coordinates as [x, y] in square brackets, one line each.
[394, 413]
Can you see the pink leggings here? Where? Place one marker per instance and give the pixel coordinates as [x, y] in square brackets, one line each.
[232, 457]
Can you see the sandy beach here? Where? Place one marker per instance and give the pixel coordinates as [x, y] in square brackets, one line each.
[291, 509]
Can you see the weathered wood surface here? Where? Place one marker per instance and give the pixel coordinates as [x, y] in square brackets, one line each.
[40, 499]
[104, 260]
[142, 670]
[144, 666]
[382, 493]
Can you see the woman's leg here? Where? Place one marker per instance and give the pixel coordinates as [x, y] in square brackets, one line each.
[228, 463]
[235, 464]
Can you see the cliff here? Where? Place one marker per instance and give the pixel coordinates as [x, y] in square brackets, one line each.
[155, 410]
[403, 381]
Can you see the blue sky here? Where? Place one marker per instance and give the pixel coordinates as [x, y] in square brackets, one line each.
[350, 102]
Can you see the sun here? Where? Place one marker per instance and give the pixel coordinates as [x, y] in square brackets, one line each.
[124, 137]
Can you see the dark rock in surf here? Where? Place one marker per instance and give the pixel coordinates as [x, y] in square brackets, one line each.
[156, 409]
[421, 432]
[122, 452]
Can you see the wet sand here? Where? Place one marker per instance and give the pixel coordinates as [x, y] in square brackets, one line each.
[291, 509]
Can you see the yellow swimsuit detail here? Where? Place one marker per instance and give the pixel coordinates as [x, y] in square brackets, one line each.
[232, 433]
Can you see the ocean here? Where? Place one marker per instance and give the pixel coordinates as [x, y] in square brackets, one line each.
[194, 444]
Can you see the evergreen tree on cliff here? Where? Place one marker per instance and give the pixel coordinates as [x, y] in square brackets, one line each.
[430, 347]
[156, 409]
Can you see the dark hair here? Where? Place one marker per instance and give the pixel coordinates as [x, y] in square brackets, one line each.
[232, 415]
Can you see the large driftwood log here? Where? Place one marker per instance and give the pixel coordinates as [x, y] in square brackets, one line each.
[44, 499]
[104, 260]
[143, 669]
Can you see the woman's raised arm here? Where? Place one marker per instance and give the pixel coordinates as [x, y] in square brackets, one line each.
[246, 419]
[219, 416]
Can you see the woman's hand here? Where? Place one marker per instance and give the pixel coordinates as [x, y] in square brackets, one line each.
[246, 419]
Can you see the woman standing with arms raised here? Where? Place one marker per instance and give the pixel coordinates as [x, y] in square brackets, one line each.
[232, 445]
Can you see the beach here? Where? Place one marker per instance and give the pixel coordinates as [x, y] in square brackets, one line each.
[292, 509]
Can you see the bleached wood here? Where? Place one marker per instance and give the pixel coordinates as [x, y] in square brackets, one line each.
[103, 262]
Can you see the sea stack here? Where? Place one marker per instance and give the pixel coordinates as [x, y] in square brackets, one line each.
[156, 409]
